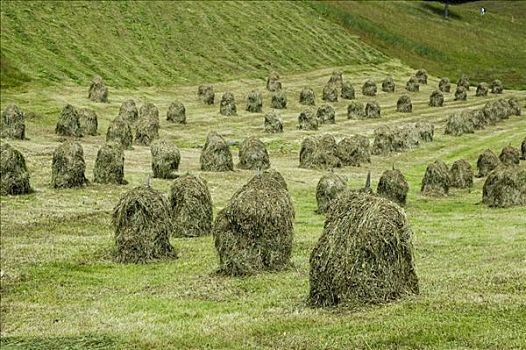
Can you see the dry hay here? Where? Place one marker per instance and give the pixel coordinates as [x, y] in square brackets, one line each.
[461, 94]
[463, 81]
[388, 85]
[364, 255]
[88, 121]
[206, 94]
[14, 177]
[496, 87]
[307, 120]
[509, 155]
[372, 110]
[128, 111]
[307, 96]
[384, 138]
[176, 113]
[253, 154]
[355, 110]
[319, 153]
[143, 225]
[487, 162]
[478, 118]
[330, 93]
[505, 187]
[482, 89]
[347, 92]
[147, 127]
[436, 99]
[68, 123]
[459, 123]
[398, 139]
[444, 85]
[190, 204]
[404, 104]
[412, 84]
[406, 137]
[68, 166]
[165, 159]
[461, 174]
[227, 106]
[514, 106]
[278, 100]
[336, 79]
[436, 180]
[393, 186]
[216, 155]
[421, 76]
[354, 150]
[254, 232]
[329, 187]
[120, 132]
[12, 123]
[109, 165]
[425, 130]
[523, 149]
[254, 101]
[273, 83]
[494, 112]
[98, 92]
[326, 114]
[273, 122]
[369, 88]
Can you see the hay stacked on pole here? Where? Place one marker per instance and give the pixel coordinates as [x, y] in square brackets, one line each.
[421, 76]
[143, 226]
[461, 174]
[482, 89]
[254, 101]
[176, 113]
[412, 84]
[523, 149]
[88, 121]
[330, 93]
[206, 94]
[372, 110]
[336, 79]
[190, 204]
[444, 85]
[329, 187]
[12, 124]
[393, 186]
[436, 99]
[307, 120]
[369, 88]
[128, 111]
[254, 232]
[273, 83]
[253, 154]
[68, 123]
[273, 123]
[496, 87]
[147, 127]
[319, 153]
[404, 104]
[165, 159]
[216, 155]
[354, 150]
[364, 255]
[326, 114]
[68, 166]
[459, 124]
[461, 94]
[487, 162]
[227, 106]
[388, 85]
[463, 81]
[109, 165]
[436, 180]
[120, 132]
[505, 187]
[307, 96]
[509, 155]
[14, 177]
[355, 110]
[98, 92]
[347, 91]
[279, 100]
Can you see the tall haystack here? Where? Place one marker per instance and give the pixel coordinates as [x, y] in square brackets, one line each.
[496, 87]
[436, 180]
[330, 93]
[254, 231]
[165, 159]
[329, 187]
[505, 187]
[372, 110]
[68, 166]
[354, 150]
[436, 99]
[98, 92]
[216, 155]
[307, 120]
[147, 127]
[12, 124]
[459, 124]
[364, 255]
[307, 97]
[404, 104]
[461, 94]
[421, 76]
[128, 111]
[319, 153]
[482, 89]
[228, 104]
[393, 186]
[444, 85]
[253, 154]
[388, 85]
[461, 174]
[412, 84]
[523, 149]
[347, 91]
[326, 114]
[273, 122]
[336, 79]
[487, 162]
[355, 110]
[254, 101]
[273, 83]
[120, 132]
[176, 113]
[206, 94]
[369, 88]
[68, 123]
[190, 204]
[88, 121]
[109, 165]
[143, 226]
[278, 100]
[14, 177]
[509, 155]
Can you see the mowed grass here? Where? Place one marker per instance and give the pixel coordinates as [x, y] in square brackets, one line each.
[61, 289]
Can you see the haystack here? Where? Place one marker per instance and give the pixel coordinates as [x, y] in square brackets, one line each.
[364, 255]
[206, 94]
[354, 150]
[68, 123]
[482, 89]
[128, 111]
[328, 189]
[228, 104]
[68, 166]
[384, 138]
[459, 124]
[463, 81]
[254, 101]
[253, 154]
[12, 124]
[388, 85]
[347, 92]
[120, 132]
[330, 93]
[421, 76]
[14, 177]
[307, 97]
[436, 99]
[147, 127]
[509, 155]
[487, 162]
[369, 88]
[461, 174]
[143, 226]
[514, 106]
[336, 79]
[176, 113]
[478, 119]
[273, 83]
[109, 165]
[494, 112]
[254, 231]
[393, 186]
[436, 180]
[279, 100]
[190, 204]
[523, 149]
[505, 187]
[326, 114]
[98, 92]
[406, 137]
[319, 153]
[461, 94]
[404, 104]
[496, 87]
[273, 122]
[88, 122]
[444, 85]
[355, 110]
[425, 131]
[307, 120]
[412, 84]
[372, 110]
[165, 159]
[215, 155]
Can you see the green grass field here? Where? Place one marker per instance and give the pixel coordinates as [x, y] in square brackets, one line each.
[60, 288]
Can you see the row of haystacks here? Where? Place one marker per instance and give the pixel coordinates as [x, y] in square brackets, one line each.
[438, 178]
[389, 139]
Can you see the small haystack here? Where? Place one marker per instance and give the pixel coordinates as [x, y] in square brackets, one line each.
[463, 81]
[279, 100]
[482, 89]
[461, 174]
[253, 154]
[509, 155]
[461, 94]
[404, 104]
[388, 85]
[176, 113]
[165, 159]
[369, 88]
[14, 177]
[191, 206]
[129, 111]
[326, 114]
[147, 127]
[273, 83]
[307, 120]
[355, 110]
[354, 150]
[254, 101]
[412, 84]
[487, 162]
[514, 106]
[216, 155]
[143, 226]
[384, 138]
[436, 180]
[347, 92]
[459, 124]
[523, 149]
[328, 189]
[88, 122]
[505, 187]
[444, 85]
[425, 130]
[273, 122]
[68, 166]
[336, 79]
[228, 104]
[330, 93]
[393, 186]
[68, 123]
[254, 231]
[478, 119]
[364, 255]
[372, 110]
[109, 165]
[12, 124]
[421, 76]
[307, 97]
[98, 92]
[120, 132]
[319, 153]
[206, 94]
[496, 87]
[436, 99]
